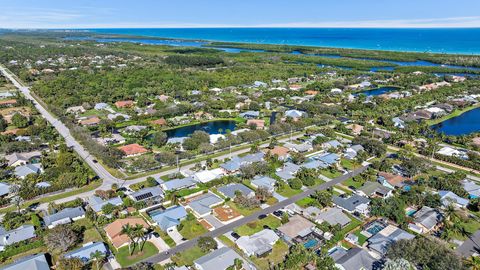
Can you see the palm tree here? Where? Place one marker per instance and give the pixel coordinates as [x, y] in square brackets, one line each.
[139, 233]
[98, 257]
[473, 262]
[128, 231]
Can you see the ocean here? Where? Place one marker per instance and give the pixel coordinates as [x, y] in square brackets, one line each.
[438, 40]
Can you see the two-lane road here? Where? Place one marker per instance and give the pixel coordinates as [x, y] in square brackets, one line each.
[228, 227]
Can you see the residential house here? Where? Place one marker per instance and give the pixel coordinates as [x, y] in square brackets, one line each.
[17, 235]
[264, 182]
[391, 181]
[159, 122]
[449, 198]
[427, 219]
[374, 189]
[398, 122]
[118, 116]
[354, 259]
[299, 148]
[380, 242]
[4, 189]
[206, 176]
[18, 159]
[101, 106]
[280, 151]
[471, 188]
[452, 152]
[296, 227]
[32, 262]
[353, 204]
[114, 138]
[134, 129]
[471, 246]
[355, 128]
[24, 170]
[150, 195]
[170, 218]
[85, 252]
[90, 121]
[288, 171]
[97, 203]
[64, 216]
[133, 149]
[177, 184]
[230, 190]
[257, 123]
[331, 144]
[295, 114]
[202, 205]
[352, 151]
[124, 104]
[332, 216]
[259, 243]
[220, 259]
[250, 114]
[75, 109]
[330, 159]
[237, 162]
[114, 230]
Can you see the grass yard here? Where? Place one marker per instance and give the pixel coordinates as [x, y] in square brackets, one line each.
[288, 192]
[348, 164]
[243, 211]
[256, 226]
[350, 182]
[361, 238]
[188, 256]
[330, 174]
[125, 259]
[280, 249]
[190, 228]
[354, 223]
[470, 226]
[305, 202]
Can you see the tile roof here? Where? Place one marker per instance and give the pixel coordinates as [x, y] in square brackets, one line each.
[114, 230]
[133, 149]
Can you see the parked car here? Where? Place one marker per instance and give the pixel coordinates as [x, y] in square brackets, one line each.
[235, 235]
[262, 216]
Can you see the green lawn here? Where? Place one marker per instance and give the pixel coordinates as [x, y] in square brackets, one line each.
[191, 228]
[354, 223]
[124, 258]
[288, 192]
[305, 202]
[256, 226]
[188, 256]
[361, 238]
[351, 182]
[329, 174]
[280, 249]
[471, 226]
[243, 211]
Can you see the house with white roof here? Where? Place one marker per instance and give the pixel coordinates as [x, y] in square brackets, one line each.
[449, 198]
[97, 203]
[259, 243]
[84, 253]
[208, 175]
[471, 188]
[220, 259]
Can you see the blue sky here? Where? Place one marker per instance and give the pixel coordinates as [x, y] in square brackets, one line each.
[238, 13]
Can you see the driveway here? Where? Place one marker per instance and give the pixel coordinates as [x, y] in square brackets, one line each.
[159, 243]
[176, 236]
[213, 221]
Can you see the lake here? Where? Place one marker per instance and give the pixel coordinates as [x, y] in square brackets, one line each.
[378, 91]
[214, 127]
[464, 124]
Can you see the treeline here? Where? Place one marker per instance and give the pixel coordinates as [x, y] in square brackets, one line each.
[193, 61]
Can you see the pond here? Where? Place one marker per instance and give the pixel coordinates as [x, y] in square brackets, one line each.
[378, 91]
[214, 127]
[464, 124]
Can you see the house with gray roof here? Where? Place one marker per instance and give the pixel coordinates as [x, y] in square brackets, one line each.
[150, 195]
[202, 205]
[264, 182]
[97, 203]
[314, 164]
[352, 204]
[374, 189]
[471, 246]
[449, 198]
[380, 242]
[295, 114]
[101, 106]
[4, 189]
[332, 216]
[355, 259]
[220, 259]
[352, 151]
[299, 148]
[250, 114]
[230, 190]
[331, 144]
[134, 128]
[259, 243]
[288, 171]
[24, 170]
[33, 262]
[64, 216]
[17, 159]
[471, 188]
[17, 235]
[329, 158]
[84, 253]
[237, 162]
[170, 218]
[427, 218]
[177, 184]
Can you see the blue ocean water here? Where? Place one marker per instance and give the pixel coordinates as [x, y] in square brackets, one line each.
[439, 40]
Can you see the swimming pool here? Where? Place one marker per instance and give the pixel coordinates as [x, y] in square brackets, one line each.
[410, 212]
[374, 228]
[311, 243]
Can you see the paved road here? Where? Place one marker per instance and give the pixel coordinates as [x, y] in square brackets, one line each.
[228, 227]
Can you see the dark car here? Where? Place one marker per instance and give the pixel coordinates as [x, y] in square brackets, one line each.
[278, 213]
[94, 161]
[262, 216]
[235, 235]
[267, 227]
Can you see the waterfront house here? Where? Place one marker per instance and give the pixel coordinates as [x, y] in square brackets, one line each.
[250, 114]
[257, 123]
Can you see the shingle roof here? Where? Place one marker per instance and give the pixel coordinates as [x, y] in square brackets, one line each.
[4, 189]
[356, 258]
[264, 181]
[230, 190]
[147, 193]
[202, 203]
[334, 216]
[84, 253]
[96, 203]
[24, 170]
[67, 213]
[34, 262]
[177, 184]
[389, 235]
[219, 259]
[170, 217]
[19, 234]
[258, 243]
[428, 217]
[350, 203]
